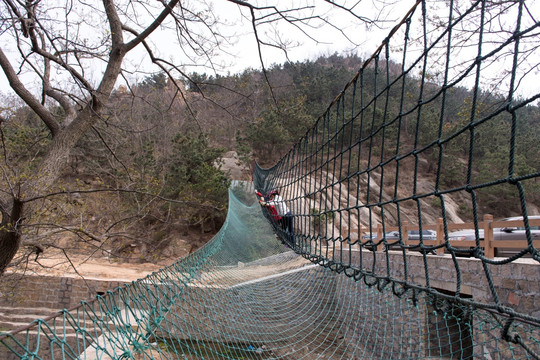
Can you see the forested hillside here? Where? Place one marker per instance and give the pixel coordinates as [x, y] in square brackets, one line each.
[145, 184]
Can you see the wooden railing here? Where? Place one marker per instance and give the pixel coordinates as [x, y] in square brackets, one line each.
[489, 243]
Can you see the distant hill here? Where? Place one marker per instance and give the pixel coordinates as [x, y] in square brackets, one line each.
[164, 138]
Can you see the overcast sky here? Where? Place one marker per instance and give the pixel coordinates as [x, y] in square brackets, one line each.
[353, 36]
[349, 35]
[242, 51]
[356, 37]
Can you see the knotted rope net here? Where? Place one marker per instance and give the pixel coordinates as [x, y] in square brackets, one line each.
[335, 285]
[245, 295]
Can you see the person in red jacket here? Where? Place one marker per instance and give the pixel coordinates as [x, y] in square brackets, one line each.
[283, 214]
[271, 208]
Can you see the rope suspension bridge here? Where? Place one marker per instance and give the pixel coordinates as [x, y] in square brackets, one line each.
[337, 287]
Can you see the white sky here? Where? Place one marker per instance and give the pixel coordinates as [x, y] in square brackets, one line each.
[329, 40]
[243, 53]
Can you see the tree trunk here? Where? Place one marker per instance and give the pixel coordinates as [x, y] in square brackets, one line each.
[42, 180]
[10, 236]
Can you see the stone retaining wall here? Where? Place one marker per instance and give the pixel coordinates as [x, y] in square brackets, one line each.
[517, 284]
[56, 293]
[288, 305]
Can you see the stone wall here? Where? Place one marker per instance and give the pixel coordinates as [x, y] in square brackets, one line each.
[29, 298]
[342, 316]
[55, 293]
[517, 284]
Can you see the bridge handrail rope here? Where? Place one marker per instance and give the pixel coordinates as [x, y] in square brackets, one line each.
[245, 295]
[356, 150]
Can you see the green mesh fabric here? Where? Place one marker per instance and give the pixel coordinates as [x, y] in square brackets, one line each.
[437, 122]
[245, 295]
[324, 291]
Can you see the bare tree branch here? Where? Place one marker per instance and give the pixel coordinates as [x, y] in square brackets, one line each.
[74, 63]
[157, 22]
[70, 192]
[21, 90]
[261, 57]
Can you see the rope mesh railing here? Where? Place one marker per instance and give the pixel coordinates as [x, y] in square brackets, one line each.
[405, 149]
[357, 174]
[249, 297]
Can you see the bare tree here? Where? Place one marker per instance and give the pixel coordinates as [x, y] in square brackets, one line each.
[64, 59]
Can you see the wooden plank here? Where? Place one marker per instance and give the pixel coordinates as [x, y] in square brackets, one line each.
[440, 236]
[488, 236]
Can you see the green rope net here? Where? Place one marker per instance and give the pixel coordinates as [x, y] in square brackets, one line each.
[247, 296]
[334, 285]
[443, 113]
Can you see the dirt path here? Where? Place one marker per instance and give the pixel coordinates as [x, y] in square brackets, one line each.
[56, 264]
